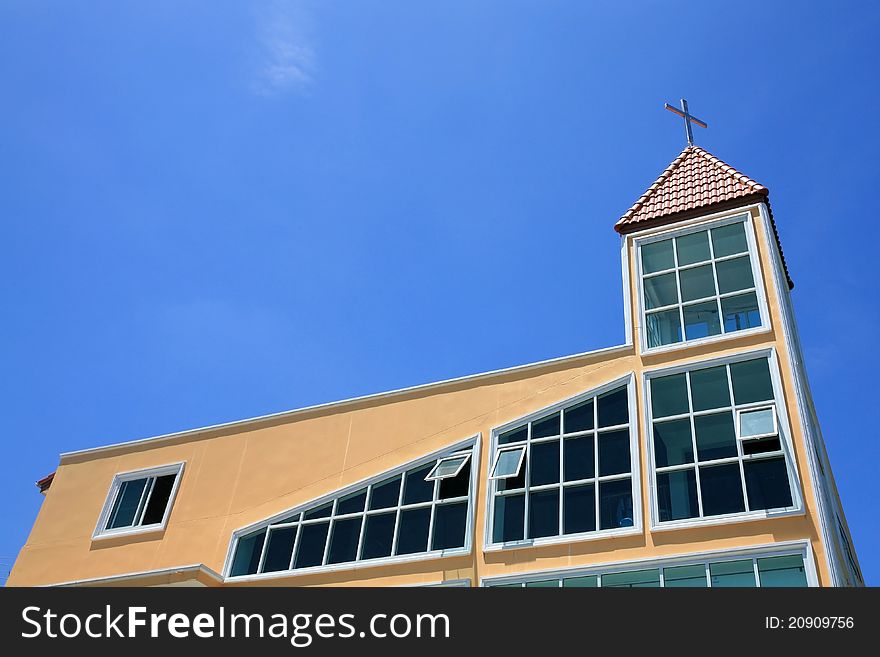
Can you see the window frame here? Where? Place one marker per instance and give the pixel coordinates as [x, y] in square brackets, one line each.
[101, 531]
[800, 548]
[471, 445]
[738, 215]
[752, 409]
[512, 448]
[431, 476]
[628, 381]
[785, 439]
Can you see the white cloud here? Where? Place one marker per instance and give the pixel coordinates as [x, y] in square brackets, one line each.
[287, 57]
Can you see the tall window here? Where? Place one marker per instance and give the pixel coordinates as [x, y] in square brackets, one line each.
[716, 444]
[422, 509]
[139, 500]
[698, 285]
[568, 471]
[779, 570]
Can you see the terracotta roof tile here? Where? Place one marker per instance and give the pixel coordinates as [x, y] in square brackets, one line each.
[695, 180]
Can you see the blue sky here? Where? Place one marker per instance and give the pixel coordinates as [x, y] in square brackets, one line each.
[215, 210]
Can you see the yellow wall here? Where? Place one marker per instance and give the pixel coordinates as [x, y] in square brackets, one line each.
[239, 475]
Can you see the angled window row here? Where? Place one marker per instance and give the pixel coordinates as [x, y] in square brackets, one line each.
[567, 471]
[699, 284]
[716, 441]
[419, 509]
[783, 570]
[139, 501]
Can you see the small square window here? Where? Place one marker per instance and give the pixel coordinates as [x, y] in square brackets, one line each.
[139, 500]
[448, 467]
[508, 463]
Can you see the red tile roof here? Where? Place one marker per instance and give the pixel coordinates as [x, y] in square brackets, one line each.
[696, 180]
[44, 483]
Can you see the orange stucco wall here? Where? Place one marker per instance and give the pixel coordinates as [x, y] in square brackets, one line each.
[239, 475]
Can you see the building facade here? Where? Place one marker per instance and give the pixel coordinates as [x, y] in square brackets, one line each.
[691, 455]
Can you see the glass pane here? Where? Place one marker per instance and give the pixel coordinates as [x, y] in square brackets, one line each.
[732, 573]
[543, 584]
[508, 462]
[415, 488]
[312, 541]
[514, 436]
[344, 540]
[709, 388]
[127, 502]
[721, 488]
[782, 571]
[579, 418]
[615, 504]
[729, 239]
[685, 576]
[761, 445]
[378, 535]
[579, 509]
[385, 494]
[697, 283]
[544, 513]
[159, 497]
[323, 511]
[661, 291]
[663, 327]
[449, 526]
[457, 486]
[516, 482]
[701, 320]
[586, 582]
[734, 275]
[579, 458]
[751, 381]
[279, 549]
[692, 248]
[448, 466]
[669, 395]
[677, 495]
[509, 522]
[353, 503]
[740, 312]
[545, 427]
[767, 484]
[672, 443]
[633, 579]
[545, 463]
[759, 422]
[716, 438]
[412, 532]
[247, 554]
[613, 408]
[614, 452]
[657, 256]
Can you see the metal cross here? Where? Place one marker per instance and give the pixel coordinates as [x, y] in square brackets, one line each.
[688, 118]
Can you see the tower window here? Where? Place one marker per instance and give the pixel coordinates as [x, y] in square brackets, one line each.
[698, 285]
[717, 446]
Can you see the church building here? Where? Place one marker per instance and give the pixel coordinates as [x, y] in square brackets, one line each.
[690, 455]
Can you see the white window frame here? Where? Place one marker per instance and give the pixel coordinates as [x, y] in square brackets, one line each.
[432, 476]
[628, 380]
[100, 529]
[739, 215]
[797, 547]
[764, 407]
[785, 439]
[471, 445]
[498, 452]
